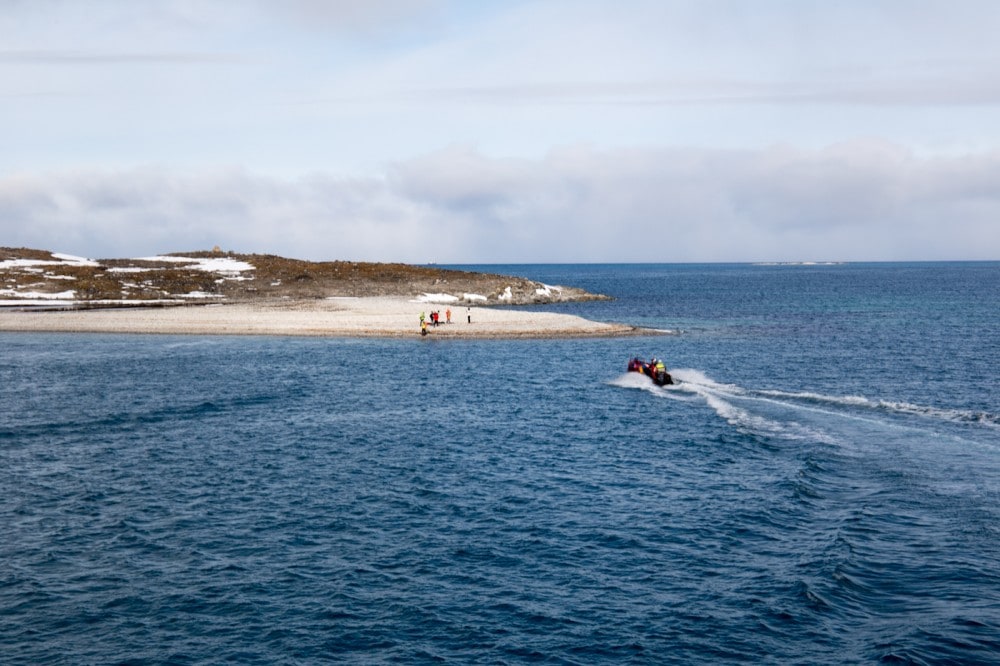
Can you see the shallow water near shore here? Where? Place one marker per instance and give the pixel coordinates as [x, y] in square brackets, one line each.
[821, 486]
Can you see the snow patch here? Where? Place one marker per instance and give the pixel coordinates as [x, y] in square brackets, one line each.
[436, 298]
[128, 269]
[26, 263]
[75, 261]
[166, 259]
[61, 260]
[22, 302]
[32, 264]
[223, 265]
[547, 290]
[37, 295]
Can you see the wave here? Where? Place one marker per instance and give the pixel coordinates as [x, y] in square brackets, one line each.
[55, 425]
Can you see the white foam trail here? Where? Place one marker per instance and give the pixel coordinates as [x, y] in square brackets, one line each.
[724, 399]
[635, 380]
[952, 415]
[720, 397]
[738, 417]
[818, 397]
[699, 378]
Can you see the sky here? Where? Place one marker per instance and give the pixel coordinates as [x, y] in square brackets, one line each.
[503, 132]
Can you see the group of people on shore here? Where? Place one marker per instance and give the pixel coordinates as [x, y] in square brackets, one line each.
[435, 319]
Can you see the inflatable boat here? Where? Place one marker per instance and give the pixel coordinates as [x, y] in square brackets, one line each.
[654, 369]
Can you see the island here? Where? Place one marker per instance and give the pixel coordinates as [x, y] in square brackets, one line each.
[227, 293]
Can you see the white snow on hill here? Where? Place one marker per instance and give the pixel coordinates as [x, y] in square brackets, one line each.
[38, 273]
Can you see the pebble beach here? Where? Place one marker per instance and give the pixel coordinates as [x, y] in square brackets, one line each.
[334, 317]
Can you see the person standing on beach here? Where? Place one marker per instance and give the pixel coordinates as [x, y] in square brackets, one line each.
[421, 320]
[447, 315]
[468, 311]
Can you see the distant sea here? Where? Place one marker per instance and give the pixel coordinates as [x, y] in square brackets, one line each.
[821, 487]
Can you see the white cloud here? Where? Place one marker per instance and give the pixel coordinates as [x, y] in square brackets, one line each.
[233, 101]
[301, 85]
[863, 200]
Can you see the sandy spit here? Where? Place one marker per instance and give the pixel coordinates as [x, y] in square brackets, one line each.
[341, 317]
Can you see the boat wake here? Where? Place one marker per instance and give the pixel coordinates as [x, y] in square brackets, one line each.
[983, 418]
[805, 415]
[741, 408]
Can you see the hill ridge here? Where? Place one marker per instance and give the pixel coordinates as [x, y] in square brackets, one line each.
[39, 276]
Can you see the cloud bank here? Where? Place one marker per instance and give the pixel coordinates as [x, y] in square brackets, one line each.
[645, 130]
[855, 201]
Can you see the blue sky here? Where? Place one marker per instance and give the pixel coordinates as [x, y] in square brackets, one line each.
[471, 132]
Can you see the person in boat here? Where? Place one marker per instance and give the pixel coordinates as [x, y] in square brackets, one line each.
[661, 371]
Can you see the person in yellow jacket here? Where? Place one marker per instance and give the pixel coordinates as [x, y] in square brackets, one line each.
[659, 370]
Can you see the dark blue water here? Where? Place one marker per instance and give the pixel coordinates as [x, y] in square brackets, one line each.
[821, 487]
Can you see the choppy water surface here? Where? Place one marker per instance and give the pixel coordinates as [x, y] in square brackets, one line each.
[821, 486]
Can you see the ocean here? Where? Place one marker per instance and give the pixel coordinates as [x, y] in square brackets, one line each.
[822, 486]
